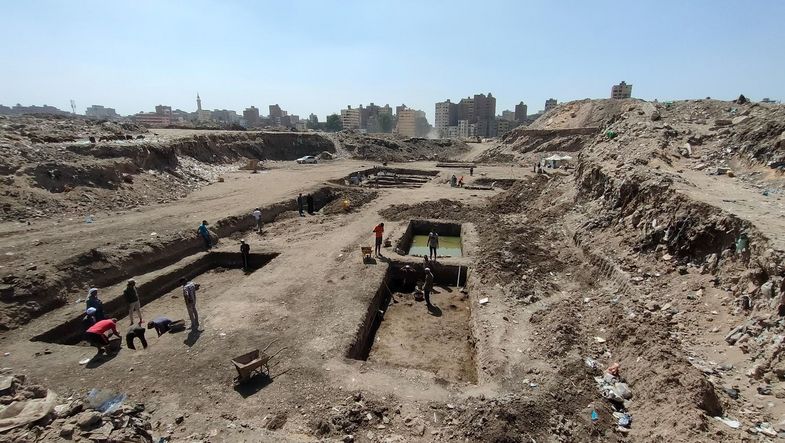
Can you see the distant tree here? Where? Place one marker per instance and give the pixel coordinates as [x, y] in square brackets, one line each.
[385, 122]
[333, 123]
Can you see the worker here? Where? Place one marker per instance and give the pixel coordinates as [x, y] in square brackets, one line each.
[309, 202]
[96, 334]
[743, 246]
[460, 182]
[135, 332]
[409, 279]
[300, 204]
[245, 250]
[471, 171]
[453, 181]
[433, 245]
[379, 232]
[204, 232]
[162, 325]
[89, 319]
[427, 287]
[257, 216]
[94, 302]
[132, 298]
[189, 295]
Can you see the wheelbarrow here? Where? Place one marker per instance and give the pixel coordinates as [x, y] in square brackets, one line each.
[254, 362]
[366, 251]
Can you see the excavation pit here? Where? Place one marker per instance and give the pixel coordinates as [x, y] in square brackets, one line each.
[389, 178]
[400, 331]
[415, 240]
[214, 272]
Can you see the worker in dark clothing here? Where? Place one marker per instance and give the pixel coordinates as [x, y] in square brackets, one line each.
[162, 325]
[135, 332]
[204, 232]
[94, 302]
[245, 250]
[427, 287]
[309, 199]
[409, 279]
[300, 204]
[471, 171]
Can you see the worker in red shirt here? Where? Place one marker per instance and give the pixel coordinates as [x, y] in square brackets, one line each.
[379, 231]
[96, 334]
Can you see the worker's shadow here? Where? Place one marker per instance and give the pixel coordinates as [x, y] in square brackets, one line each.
[99, 359]
[193, 337]
[435, 311]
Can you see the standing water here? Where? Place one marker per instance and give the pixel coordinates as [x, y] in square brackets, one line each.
[448, 246]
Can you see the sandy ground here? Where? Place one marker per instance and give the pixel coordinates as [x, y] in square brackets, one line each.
[311, 299]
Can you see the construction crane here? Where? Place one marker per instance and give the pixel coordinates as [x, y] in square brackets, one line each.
[73, 106]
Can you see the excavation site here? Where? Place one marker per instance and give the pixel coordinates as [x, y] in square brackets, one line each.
[609, 272]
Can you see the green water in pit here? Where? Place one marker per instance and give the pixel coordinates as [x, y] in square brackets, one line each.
[448, 246]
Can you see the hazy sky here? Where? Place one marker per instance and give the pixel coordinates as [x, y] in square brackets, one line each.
[319, 56]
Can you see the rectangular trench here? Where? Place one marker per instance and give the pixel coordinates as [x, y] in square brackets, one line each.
[461, 365]
[70, 332]
[423, 227]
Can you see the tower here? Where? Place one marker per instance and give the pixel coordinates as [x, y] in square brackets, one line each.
[198, 102]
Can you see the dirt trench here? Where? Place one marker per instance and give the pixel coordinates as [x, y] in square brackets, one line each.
[26, 299]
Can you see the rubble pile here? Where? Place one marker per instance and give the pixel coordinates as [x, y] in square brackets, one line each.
[31, 412]
[394, 148]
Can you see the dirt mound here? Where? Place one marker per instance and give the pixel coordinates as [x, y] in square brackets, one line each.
[585, 113]
[356, 197]
[68, 174]
[393, 148]
[31, 129]
[439, 209]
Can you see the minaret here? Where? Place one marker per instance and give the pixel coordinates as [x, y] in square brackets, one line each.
[198, 102]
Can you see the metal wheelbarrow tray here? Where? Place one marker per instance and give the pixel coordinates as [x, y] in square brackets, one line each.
[254, 362]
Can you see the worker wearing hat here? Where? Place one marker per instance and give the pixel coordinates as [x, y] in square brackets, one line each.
[94, 302]
[89, 319]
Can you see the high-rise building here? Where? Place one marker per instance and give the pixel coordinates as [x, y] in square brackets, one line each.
[98, 111]
[466, 109]
[622, 90]
[164, 110]
[351, 118]
[225, 116]
[198, 103]
[276, 111]
[446, 115]
[550, 104]
[521, 111]
[251, 115]
[407, 122]
[313, 119]
[507, 115]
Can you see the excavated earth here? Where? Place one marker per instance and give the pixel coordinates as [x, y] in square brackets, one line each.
[623, 258]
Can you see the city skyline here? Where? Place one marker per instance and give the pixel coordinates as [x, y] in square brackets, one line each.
[318, 57]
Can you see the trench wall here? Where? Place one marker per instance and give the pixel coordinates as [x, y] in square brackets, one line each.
[443, 275]
[70, 331]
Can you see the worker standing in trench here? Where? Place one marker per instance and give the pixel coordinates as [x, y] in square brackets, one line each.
[204, 232]
[245, 250]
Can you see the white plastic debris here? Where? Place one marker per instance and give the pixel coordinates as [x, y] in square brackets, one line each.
[730, 422]
[484, 300]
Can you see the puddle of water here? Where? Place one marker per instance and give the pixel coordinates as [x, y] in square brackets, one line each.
[448, 246]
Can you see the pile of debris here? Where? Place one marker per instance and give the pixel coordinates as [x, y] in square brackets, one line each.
[30, 412]
[394, 148]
